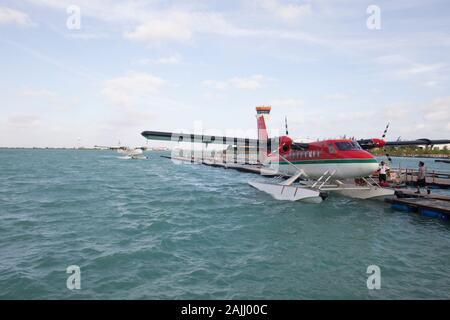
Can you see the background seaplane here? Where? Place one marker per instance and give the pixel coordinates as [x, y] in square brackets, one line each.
[334, 165]
[129, 153]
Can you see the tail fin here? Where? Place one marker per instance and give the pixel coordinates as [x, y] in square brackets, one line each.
[262, 117]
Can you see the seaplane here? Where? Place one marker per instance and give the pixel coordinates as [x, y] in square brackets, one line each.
[313, 169]
[128, 153]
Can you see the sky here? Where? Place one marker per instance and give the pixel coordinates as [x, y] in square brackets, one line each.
[90, 72]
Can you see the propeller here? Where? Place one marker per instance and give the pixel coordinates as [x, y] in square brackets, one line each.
[385, 131]
[286, 125]
[384, 147]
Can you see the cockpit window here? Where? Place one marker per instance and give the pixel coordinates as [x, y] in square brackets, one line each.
[348, 146]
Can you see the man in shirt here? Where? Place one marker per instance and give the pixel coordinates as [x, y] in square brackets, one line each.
[382, 173]
[421, 178]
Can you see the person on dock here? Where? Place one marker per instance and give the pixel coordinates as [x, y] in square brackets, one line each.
[382, 173]
[421, 178]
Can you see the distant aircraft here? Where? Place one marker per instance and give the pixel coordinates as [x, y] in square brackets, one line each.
[130, 153]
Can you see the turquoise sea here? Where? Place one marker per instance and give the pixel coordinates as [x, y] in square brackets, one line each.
[150, 229]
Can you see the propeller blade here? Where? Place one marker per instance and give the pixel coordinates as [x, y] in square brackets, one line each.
[385, 131]
[285, 122]
[384, 149]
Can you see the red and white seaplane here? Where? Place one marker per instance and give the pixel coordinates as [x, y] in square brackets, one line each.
[335, 165]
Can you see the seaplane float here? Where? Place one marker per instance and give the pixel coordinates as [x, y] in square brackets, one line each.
[127, 152]
[313, 169]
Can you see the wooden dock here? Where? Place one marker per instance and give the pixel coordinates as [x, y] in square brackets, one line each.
[434, 179]
[402, 194]
[426, 207]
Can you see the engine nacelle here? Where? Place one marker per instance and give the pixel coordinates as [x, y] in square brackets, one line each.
[379, 143]
[285, 144]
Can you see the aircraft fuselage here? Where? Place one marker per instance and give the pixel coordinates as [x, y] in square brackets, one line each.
[343, 156]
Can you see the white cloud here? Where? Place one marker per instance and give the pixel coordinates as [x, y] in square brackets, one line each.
[39, 93]
[390, 59]
[174, 28]
[438, 111]
[431, 83]
[86, 35]
[49, 98]
[287, 103]
[395, 113]
[288, 12]
[149, 24]
[413, 121]
[340, 96]
[24, 120]
[152, 25]
[429, 74]
[11, 16]
[177, 22]
[181, 26]
[219, 85]
[171, 59]
[245, 83]
[129, 89]
[420, 69]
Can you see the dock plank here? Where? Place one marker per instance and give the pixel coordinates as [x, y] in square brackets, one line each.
[425, 207]
[411, 194]
[440, 205]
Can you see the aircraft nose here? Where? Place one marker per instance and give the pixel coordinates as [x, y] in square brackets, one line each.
[371, 167]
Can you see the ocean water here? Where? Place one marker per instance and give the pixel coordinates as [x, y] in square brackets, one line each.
[150, 229]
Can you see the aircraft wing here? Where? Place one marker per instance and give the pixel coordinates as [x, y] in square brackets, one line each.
[377, 143]
[418, 142]
[198, 138]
